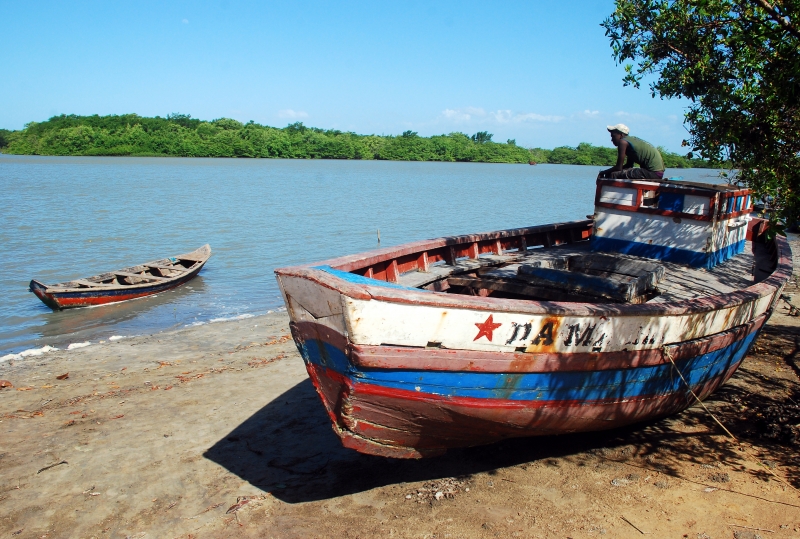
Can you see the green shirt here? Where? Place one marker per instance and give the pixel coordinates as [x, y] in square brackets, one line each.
[645, 154]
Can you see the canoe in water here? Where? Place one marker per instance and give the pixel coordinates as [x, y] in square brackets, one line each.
[128, 283]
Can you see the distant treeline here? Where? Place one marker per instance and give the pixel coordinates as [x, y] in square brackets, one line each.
[181, 135]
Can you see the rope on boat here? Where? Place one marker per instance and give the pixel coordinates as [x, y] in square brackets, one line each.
[665, 351]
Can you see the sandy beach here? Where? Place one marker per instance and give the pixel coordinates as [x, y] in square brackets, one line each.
[216, 431]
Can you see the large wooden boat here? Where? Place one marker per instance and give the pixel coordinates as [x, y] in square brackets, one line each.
[128, 283]
[576, 326]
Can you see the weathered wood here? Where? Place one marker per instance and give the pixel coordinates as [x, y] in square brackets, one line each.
[520, 288]
[139, 276]
[91, 284]
[190, 257]
[419, 279]
[614, 286]
[93, 291]
[617, 264]
[553, 262]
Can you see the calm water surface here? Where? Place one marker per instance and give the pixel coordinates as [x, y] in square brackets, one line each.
[71, 217]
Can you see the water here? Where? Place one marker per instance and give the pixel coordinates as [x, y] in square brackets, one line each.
[71, 217]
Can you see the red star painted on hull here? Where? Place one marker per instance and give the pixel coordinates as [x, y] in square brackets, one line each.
[485, 329]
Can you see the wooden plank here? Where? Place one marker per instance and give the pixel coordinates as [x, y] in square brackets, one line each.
[92, 284]
[148, 277]
[613, 286]
[553, 261]
[616, 264]
[419, 279]
[191, 258]
[163, 266]
[392, 273]
[517, 287]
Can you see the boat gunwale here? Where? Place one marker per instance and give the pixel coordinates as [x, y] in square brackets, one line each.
[776, 279]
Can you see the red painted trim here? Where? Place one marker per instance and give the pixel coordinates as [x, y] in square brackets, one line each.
[752, 293]
[406, 424]
[654, 211]
[736, 214]
[406, 357]
[101, 299]
[391, 272]
[666, 187]
[356, 261]
[422, 261]
[312, 331]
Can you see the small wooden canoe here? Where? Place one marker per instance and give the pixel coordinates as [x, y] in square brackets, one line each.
[128, 283]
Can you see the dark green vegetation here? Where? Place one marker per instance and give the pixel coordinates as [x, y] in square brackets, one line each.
[182, 135]
[738, 62]
[586, 154]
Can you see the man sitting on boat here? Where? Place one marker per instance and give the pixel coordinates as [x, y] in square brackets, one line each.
[636, 151]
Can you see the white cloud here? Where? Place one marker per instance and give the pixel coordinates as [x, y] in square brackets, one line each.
[185, 21]
[501, 116]
[292, 114]
[456, 115]
[506, 116]
[588, 112]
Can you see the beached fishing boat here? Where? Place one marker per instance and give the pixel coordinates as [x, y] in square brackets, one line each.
[128, 283]
[578, 326]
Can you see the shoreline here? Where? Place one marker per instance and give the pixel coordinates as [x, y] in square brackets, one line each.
[216, 430]
[60, 344]
[332, 159]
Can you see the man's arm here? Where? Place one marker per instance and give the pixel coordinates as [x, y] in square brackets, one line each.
[621, 149]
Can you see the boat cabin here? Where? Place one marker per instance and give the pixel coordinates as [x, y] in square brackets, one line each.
[697, 224]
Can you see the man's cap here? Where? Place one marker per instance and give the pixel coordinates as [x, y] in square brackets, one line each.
[622, 128]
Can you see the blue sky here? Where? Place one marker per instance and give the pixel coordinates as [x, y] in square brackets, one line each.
[540, 72]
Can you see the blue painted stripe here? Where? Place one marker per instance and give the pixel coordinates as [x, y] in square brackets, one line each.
[555, 386]
[360, 279]
[669, 254]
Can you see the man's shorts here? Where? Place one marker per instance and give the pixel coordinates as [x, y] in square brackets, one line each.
[635, 174]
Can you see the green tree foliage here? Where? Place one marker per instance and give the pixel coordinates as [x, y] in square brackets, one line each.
[587, 154]
[738, 62]
[482, 137]
[182, 135]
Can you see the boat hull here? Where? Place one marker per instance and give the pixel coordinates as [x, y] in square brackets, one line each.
[71, 300]
[412, 413]
[102, 289]
[411, 373]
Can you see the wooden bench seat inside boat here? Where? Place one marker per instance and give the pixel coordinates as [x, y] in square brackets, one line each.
[599, 275]
[84, 282]
[191, 258]
[500, 273]
[139, 276]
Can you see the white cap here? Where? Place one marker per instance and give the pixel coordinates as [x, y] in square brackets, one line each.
[622, 128]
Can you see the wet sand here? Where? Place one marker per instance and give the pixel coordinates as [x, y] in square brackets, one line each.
[216, 431]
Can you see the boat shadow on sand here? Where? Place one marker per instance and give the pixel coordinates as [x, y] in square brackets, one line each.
[289, 449]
